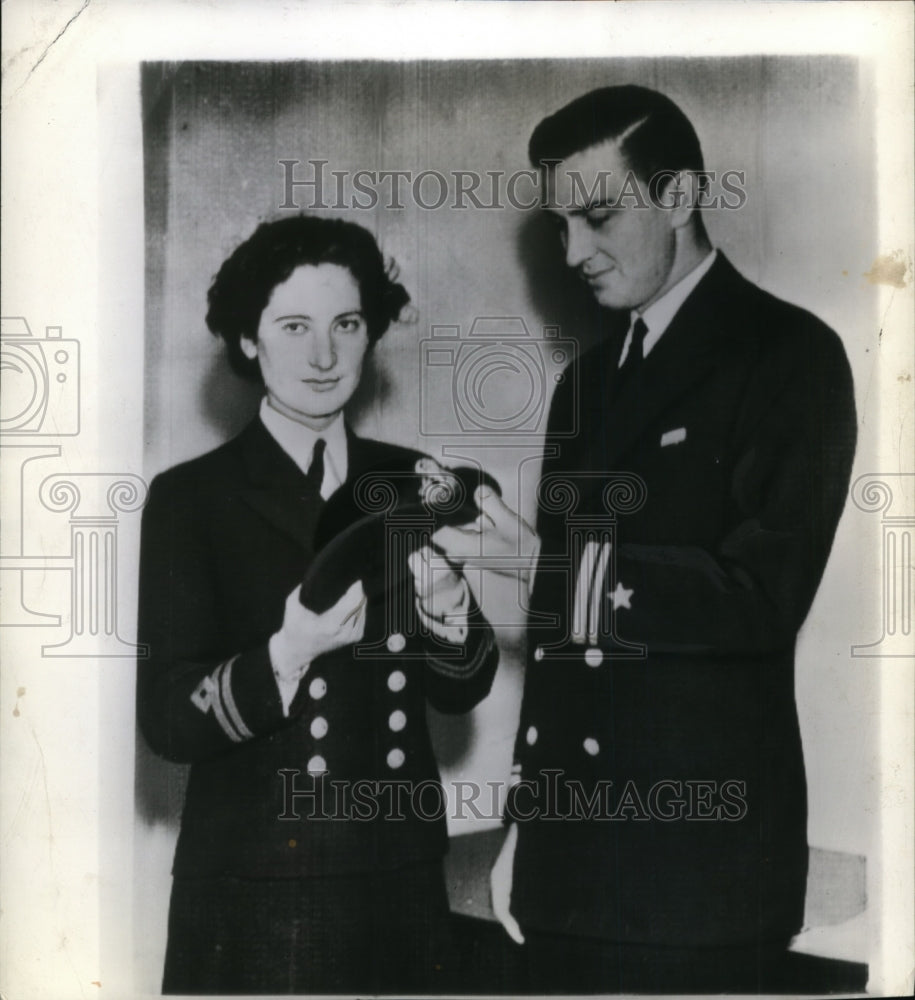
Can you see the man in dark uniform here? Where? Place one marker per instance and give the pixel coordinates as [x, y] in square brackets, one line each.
[657, 830]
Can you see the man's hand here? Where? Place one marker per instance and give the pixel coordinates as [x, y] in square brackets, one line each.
[499, 539]
[500, 884]
[304, 635]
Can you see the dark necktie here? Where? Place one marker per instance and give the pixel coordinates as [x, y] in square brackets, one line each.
[636, 350]
[315, 475]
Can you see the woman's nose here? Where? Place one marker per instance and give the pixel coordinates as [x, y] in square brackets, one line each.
[321, 351]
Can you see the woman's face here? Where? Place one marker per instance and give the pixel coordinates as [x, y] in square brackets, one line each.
[311, 342]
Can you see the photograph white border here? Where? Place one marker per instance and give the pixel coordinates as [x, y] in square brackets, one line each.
[73, 181]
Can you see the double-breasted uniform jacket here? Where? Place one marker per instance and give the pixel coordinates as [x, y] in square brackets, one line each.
[225, 539]
[741, 426]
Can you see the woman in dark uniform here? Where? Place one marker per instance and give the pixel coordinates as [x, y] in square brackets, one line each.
[310, 852]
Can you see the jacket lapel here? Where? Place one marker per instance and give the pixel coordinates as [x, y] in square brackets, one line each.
[688, 350]
[361, 455]
[276, 487]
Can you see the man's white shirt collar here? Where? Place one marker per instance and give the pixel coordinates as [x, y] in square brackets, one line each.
[298, 441]
[659, 315]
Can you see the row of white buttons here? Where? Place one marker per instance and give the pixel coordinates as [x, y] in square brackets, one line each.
[397, 720]
[594, 657]
[318, 765]
[590, 745]
[318, 687]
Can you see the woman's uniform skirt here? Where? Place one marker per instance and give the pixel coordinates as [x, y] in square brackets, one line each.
[381, 932]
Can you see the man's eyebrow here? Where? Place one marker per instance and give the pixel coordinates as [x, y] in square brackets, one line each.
[558, 214]
[592, 206]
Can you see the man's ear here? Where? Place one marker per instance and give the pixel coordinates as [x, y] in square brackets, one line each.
[248, 347]
[689, 195]
[681, 197]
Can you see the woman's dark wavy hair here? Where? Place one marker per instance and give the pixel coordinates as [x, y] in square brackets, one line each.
[244, 283]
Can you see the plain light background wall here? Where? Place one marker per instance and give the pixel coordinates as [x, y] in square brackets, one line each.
[800, 129]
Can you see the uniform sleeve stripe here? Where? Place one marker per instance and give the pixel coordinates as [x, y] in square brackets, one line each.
[582, 590]
[229, 700]
[597, 593]
[220, 712]
[457, 669]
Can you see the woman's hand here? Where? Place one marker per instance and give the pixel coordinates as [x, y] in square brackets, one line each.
[442, 593]
[304, 635]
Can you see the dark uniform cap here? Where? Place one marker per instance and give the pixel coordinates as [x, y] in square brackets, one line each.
[369, 527]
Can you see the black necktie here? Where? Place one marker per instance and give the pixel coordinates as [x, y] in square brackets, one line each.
[636, 352]
[315, 475]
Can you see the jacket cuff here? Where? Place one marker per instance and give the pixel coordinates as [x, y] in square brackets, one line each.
[464, 667]
[453, 626]
[250, 694]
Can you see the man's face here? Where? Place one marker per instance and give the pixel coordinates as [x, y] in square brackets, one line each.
[625, 253]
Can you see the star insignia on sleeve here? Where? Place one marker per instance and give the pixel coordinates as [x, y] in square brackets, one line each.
[621, 597]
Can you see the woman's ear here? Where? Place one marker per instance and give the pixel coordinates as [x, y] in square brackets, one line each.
[248, 348]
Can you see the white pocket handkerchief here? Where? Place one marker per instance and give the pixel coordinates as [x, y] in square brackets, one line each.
[673, 437]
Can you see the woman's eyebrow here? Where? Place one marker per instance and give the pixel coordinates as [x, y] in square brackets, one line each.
[346, 312]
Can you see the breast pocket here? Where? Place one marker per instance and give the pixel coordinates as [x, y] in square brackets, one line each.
[686, 481]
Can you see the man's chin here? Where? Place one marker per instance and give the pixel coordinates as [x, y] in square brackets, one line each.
[610, 298]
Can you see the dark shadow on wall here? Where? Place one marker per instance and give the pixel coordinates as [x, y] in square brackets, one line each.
[159, 788]
[560, 296]
[453, 736]
[228, 402]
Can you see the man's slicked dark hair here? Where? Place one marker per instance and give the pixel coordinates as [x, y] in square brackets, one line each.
[656, 135]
